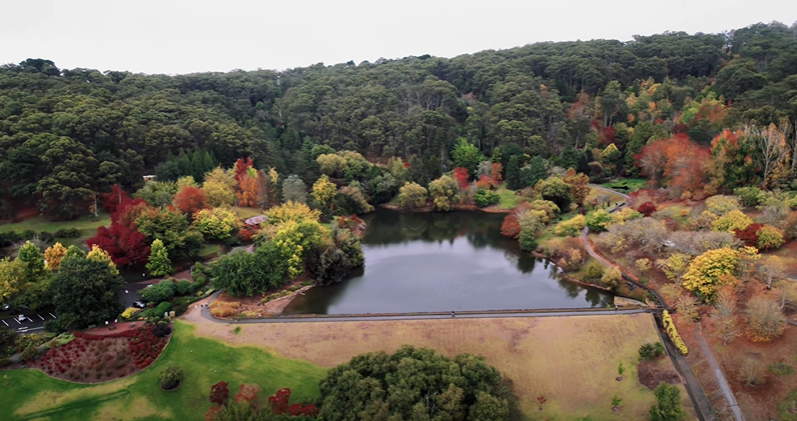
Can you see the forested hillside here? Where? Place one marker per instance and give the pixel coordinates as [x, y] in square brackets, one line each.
[68, 134]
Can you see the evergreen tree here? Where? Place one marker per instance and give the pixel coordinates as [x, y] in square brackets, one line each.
[159, 263]
[535, 172]
[513, 181]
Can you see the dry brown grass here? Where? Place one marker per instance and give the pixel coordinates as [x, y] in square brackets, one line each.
[572, 361]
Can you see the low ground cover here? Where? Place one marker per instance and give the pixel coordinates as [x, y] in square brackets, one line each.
[626, 185]
[31, 395]
[571, 361]
[87, 226]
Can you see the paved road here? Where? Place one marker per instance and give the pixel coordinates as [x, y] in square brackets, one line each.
[625, 196]
[721, 381]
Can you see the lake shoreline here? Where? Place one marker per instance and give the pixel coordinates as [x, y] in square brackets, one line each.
[428, 208]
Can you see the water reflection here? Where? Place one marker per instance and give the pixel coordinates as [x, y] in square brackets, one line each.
[443, 262]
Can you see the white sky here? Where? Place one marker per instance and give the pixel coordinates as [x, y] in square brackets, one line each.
[181, 36]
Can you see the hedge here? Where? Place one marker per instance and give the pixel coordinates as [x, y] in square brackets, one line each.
[669, 326]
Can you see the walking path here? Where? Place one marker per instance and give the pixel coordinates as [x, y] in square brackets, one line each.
[721, 381]
[696, 393]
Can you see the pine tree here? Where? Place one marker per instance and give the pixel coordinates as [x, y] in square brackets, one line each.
[159, 263]
[513, 181]
[536, 171]
[496, 155]
[198, 165]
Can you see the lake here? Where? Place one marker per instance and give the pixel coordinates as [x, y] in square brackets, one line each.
[416, 262]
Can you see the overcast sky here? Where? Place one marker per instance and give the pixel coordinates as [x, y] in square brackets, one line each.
[181, 36]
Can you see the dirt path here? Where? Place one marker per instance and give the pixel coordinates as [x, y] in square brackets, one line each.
[715, 368]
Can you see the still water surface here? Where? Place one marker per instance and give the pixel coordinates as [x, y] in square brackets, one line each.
[441, 262]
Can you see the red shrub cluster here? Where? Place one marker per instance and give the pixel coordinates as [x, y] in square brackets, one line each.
[88, 360]
[510, 227]
[279, 404]
[246, 233]
[145, 347]
[486, 182]
[124, 334]
[646, 209]
[748, 235]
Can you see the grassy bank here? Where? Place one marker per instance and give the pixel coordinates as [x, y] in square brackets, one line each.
[30, 395]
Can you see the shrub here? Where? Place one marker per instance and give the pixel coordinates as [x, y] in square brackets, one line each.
[129, 312]
[180, 305]
[184, 287]
[484, 198]
[67, 233]
[647, 208]
[651, 350]
[598, 220]
[162, 291]
[593, 270]
[200, 281]
[162, 331]
[170, 377]
[528, 241]
[222, 312]
[29, 353]
[669, 326]
[668, 404]
[769, 237]
[571, 227]
[162, 308]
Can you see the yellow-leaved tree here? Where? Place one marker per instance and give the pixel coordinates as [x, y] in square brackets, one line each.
[219, 187]
[53, 256]
[99, 255]
[710, 271]
[291, 211]
[216, 223]
[324, 191]
[733, 220]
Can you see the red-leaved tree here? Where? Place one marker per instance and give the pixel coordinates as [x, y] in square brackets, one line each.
[486, 182]
[461, 175]
[125, 245]
[510, 227]
[190, 200]
[241, 168]
[647, 208]
[247, 393]
[496, 171]
[114, 198]
[748, 235]
[219, 393]
[279, 404]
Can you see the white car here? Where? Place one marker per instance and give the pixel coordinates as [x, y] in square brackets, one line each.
[669, 244]
[24, 318]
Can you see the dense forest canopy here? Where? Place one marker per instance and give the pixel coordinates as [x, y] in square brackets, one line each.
[68, 134]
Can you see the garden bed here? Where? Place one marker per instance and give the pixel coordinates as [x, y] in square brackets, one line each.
[94, 359]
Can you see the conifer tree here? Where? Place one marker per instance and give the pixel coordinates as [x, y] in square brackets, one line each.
[513, 181]
[159, 263]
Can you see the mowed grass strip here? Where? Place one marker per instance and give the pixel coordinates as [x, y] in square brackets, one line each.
[572, 361]
[31, 395]
[87, 226]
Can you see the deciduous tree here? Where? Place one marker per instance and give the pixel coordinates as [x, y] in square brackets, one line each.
[53, 256]
[324, 191]
[85, 292]
[765, 319]
[189, 200]
[412, 195]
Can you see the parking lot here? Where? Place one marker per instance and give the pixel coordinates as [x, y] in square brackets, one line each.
[31, 322]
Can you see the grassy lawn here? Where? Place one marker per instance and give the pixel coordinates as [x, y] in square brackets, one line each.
[626, 185]
[572, 361]
[30, 395]
[87, 226]
[508, 198]
[246, 213]
[208, 249]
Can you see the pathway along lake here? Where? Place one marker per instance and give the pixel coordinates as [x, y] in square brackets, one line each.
[416, 262]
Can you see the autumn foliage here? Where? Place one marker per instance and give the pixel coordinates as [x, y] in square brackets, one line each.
[190, 200]
[646, 209]
[510, 227]
[112, 199]
[121, 240]
[279, 404]
[748, 235]
[461, 176]
[675, 162]
[219, 393]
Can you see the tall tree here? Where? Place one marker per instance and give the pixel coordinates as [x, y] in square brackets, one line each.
[85, 292]
[158, 263]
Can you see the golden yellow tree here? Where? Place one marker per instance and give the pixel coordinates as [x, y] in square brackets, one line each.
[99, 255]
[709, 271]
[324, 191]
[53, 256]
[219, 187]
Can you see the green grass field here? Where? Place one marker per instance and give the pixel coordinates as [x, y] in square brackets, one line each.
[626, 185]
[87, 226]
[508, 198]
[208, 249]
[31, 395]
[246, 213]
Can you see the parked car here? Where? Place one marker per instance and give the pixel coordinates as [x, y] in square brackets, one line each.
[139, 304]
[24, 318]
